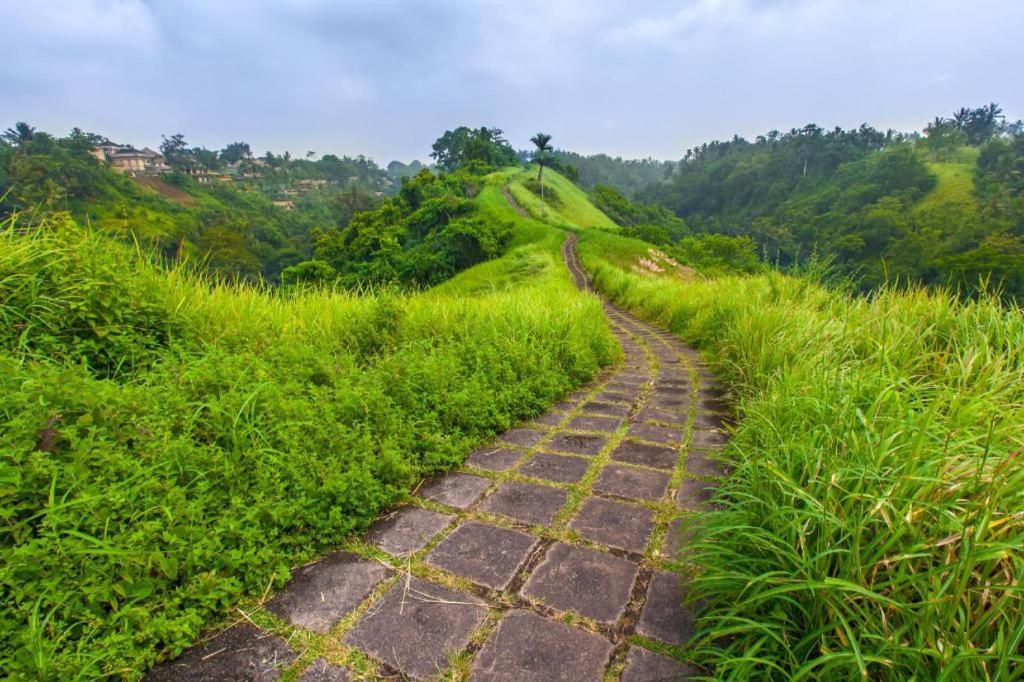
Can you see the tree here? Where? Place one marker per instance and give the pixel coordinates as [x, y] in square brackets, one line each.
[543, 143]
[20, 133]
[462, 145]
[980, 124]
[235, 152]
[175, 151]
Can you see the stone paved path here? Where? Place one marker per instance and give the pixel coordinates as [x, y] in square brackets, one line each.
[549, 556]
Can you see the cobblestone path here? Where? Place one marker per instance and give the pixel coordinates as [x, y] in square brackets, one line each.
[551, 555]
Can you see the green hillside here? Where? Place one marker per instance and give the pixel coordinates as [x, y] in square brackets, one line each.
[173, 445]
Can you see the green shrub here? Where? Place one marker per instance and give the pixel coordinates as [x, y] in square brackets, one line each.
[871, 526]
[264, 428]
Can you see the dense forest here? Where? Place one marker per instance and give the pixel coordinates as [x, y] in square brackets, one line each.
[629, 176]
[231, 225]
[944, 207]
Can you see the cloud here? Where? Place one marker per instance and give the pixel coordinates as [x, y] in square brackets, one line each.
[383, 77]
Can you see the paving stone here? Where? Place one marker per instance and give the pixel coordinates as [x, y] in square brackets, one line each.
[700, 464]
[322, 671]
[577, 443]
[672, 382]
[591, 583]
[616, 524]
[455, 490]
[675, 416]
[664, 389]
[665, 617]
[529, 648]
[713, 404]
[486, 554]
[242, 652]
[646, 666]
[321, 594]
[613, 409]
[655, 433]
[693, 494]
[637, 484]
[657, 456]
[709, 439]
[417, 626]
[595, 423]
[677, 535]
[523, 437]
[526, 502]
[549, 419]
[493, 458]
[407, 530]
[676, 402]
[563, 405]
[615, 396]
[710, 420]
[555, 468]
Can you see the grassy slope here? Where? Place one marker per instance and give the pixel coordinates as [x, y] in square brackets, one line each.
[573, 209]
[951, 206]
[248, 431]
[871, 526]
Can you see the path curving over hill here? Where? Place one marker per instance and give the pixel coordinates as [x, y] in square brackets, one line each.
[548, 556]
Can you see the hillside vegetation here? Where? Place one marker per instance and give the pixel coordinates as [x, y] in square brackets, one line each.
[170, 444]
[941, 210]
[870, 526]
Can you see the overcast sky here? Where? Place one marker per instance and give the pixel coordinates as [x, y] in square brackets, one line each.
[386, 78]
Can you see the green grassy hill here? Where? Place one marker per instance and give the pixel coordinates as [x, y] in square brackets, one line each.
[172, 445]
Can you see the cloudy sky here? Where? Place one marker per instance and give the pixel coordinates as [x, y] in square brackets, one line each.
[385, 78]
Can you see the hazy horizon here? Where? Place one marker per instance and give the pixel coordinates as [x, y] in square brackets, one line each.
[384, 79]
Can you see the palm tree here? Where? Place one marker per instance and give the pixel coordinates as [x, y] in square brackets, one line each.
[543, 143]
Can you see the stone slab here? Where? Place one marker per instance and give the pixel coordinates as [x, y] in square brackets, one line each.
[656, 433]
[417, 627]
[636, 484]
[613, 409]
[673, 416]
[616, 524]
[589, 422]
[523, 437]
[646, 666]
[656, 456]
[549, 419]
[526, 502]
[699, 463]
[407, 530]
[693, 494]
[530, 648]
[575, 443]
[493, 458]
[486, 554]
[709, 439]
[455, 490]
[665, 617]
[591, 583]
[321, 594]
[616, 396]
[242, 652]
[322, 671]
[555, 468]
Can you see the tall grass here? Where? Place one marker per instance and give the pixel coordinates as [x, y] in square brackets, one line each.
[170, 444]
[873, 524]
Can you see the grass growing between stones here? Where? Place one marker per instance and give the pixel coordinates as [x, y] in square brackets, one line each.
[171, 445]
[871, 526]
